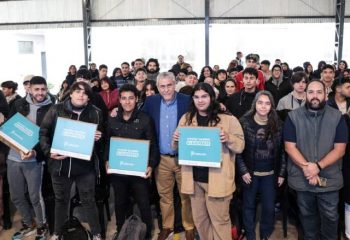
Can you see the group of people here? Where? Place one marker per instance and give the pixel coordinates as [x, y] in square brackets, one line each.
[278, 127]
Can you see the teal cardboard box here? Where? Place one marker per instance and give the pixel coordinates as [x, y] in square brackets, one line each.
[74, 138]
[200, 146]
[19, 133]
[128, 156]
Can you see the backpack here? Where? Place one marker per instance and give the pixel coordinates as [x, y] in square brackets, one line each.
[133, 229]
[73, 230]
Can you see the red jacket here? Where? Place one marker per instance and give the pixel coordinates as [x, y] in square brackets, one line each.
[239, 81]
[111, 98]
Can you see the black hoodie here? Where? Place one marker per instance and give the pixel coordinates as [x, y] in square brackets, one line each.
[240, 103]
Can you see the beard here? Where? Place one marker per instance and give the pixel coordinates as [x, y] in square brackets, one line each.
[152, 70]
[315, 107]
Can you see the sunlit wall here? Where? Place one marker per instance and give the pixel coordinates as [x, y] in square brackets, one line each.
[113, 46]
[292, 43]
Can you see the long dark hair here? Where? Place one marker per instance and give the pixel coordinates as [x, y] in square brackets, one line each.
[64, 81]
[213, 109]
[201, 77]
[142, 95]
[110, 83]
[272, 117]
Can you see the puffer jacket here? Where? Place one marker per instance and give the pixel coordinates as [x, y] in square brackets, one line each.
[69, 166]
[245, 161]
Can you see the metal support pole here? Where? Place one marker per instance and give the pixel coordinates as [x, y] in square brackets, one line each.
[87, 31]
[207, 3]
[339, 30]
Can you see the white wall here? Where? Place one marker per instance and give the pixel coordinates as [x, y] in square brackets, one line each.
[292, 43]
[63, 47]
[113, 46]
[15, 65]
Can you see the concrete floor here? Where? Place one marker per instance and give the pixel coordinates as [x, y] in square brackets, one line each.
[277, 235]
[111, 226]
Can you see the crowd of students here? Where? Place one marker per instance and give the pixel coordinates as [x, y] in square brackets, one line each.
[279, 127]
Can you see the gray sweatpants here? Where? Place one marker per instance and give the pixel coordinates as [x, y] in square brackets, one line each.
[26, 177]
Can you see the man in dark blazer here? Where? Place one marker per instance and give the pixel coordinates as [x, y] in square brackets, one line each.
[166, 109]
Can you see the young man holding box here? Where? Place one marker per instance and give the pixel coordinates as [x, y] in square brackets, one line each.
[134, 124]
[25, 170]
[66, 170]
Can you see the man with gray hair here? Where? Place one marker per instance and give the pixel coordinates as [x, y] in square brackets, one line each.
[166, 109]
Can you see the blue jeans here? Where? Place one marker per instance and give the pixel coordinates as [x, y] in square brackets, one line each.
[265, 186]
[318, 214]
[347, 220]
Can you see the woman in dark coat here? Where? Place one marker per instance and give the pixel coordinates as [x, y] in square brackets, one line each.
[262, 164]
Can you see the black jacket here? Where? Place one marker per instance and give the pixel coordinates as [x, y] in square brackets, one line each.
[94, 74]
[278, 92]
[176, 68]
[139, 126]
[240, 103]
[331, 101]
[70, 79]
[4, 109]
[69, 166]
[246, 160]
[346, 158]
[346, 167]
[22, 106]
[12, 102]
